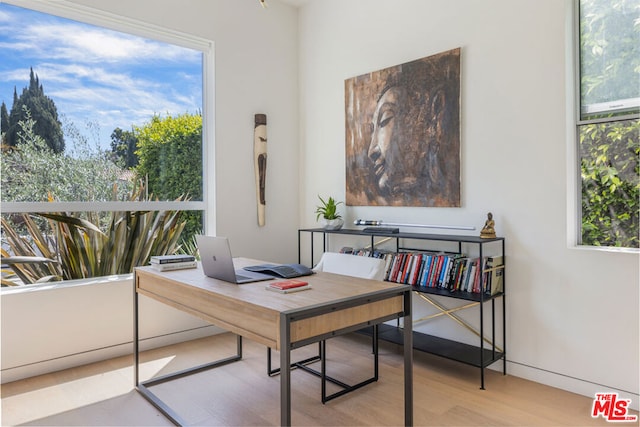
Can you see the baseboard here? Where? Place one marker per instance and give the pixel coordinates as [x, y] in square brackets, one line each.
[97, 355]
[567, 383]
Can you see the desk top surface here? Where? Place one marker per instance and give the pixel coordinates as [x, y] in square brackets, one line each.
[325, 287]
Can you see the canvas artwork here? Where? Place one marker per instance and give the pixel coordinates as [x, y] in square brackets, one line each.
[403, 134]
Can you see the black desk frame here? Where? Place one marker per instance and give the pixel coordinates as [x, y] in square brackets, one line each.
[286, 318]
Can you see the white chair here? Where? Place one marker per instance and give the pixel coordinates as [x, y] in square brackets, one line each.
[347, 265]
[351, 265]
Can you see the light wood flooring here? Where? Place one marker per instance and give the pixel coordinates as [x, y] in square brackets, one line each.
[446, 393]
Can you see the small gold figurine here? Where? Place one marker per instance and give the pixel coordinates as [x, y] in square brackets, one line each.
[488, 231]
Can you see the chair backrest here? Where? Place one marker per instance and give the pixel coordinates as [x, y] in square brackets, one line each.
[351, 265]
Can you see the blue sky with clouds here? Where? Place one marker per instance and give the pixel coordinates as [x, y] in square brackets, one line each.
[94, 74]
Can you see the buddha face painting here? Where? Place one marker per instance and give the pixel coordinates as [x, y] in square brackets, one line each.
[387, 150]
[403, 136]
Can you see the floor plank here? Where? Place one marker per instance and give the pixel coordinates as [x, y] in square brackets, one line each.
[446, 393]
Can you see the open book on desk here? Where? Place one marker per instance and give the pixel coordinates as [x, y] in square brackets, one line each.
[286, 271]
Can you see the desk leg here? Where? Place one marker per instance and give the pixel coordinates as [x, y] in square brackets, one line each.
[408, 361]
[136, 347]
[285, 371]
[143, 387]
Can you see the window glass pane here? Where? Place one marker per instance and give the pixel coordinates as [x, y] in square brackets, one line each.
[46, 247]
[610, 172]
[95, 115]
[88, 111]
[609, 57]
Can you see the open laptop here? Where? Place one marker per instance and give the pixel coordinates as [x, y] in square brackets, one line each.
[217, 262]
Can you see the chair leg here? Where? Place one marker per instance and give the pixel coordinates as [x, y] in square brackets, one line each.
[374, 340]
[322, 357]
[299, 364]
[345, 387]
[323, 371]
[270, 372]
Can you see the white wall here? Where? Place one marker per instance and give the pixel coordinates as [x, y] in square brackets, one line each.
[47, 328]
[572, 314]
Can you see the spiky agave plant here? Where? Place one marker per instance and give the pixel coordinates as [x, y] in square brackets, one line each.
[79, 248]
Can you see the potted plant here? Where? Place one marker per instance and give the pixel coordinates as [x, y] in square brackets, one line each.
[328, 210]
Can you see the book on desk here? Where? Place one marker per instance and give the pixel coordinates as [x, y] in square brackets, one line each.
[287, 286]
[169, 259]
[170, 266]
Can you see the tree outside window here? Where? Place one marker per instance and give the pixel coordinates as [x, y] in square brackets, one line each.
[608, 126]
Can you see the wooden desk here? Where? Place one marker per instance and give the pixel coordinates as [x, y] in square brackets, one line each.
[335, 305]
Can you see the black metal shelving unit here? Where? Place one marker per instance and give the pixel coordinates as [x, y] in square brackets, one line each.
[480, 356]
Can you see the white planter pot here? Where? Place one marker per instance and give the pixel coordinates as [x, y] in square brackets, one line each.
[332, 224]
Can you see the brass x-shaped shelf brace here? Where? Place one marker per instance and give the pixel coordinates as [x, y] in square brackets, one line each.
[451, 313]
[447, 311]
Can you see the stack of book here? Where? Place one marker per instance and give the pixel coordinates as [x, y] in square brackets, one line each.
[173, 262]
[286, 286]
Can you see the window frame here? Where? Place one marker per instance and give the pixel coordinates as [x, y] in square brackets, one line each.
[88, 15]
[573, 134]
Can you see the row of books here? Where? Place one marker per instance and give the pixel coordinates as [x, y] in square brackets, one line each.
[172, 262]
[453, 272]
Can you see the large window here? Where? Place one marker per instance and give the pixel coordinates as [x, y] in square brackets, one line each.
[103, 131]
[608, 126]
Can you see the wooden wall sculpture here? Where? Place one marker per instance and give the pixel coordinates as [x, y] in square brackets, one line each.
[260, 163]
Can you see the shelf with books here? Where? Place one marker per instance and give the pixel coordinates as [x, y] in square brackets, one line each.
[466, 268]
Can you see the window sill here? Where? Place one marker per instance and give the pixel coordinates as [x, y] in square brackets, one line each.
[36, 287]
[609, 249]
